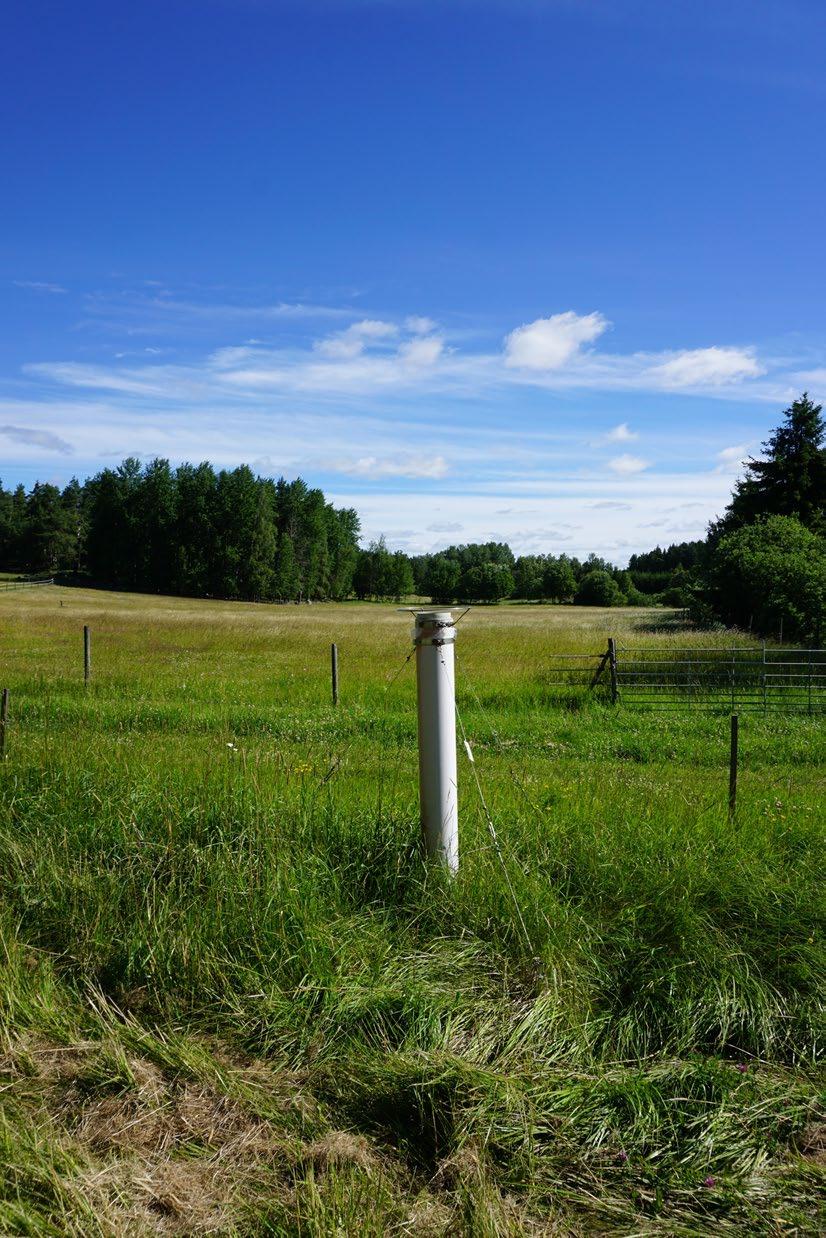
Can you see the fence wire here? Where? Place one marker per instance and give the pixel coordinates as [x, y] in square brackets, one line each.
[737, 678]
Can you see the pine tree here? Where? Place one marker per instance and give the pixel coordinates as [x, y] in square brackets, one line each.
[791, 480]
[288, 573]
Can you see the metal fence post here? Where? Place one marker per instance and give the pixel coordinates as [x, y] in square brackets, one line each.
[732, 765]
[612, 658]
[4, 718]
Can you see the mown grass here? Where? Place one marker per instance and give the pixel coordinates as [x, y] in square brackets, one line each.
[237, 1001]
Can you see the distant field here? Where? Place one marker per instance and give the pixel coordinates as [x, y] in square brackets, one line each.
[237, 1002]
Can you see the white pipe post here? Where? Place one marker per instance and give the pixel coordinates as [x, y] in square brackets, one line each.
[433, 636]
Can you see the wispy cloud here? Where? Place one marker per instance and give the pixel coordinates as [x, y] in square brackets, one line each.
[445, 526]
[37, 285]
[711, 367]
[37, 438]
[409, 465]
[376, 356]
[352, 341]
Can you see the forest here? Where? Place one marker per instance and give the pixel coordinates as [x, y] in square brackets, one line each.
[190, 530]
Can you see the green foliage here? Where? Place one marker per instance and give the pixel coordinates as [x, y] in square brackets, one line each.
[791, 480]
[768, 573]
[190, 531]
[762, 564]
[558, 580]
[441, 578]
[598, 588]
[381, 575]
[486, 582]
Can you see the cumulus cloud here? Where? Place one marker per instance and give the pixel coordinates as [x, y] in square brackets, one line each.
[37, 438]
[627, 465]
[707, 367]
[620, 434]
[549, 343]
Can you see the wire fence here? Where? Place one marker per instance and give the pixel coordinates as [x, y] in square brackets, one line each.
[736, 678]
[6, 585]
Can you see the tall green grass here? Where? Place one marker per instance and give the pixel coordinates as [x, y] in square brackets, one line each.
[212, 886]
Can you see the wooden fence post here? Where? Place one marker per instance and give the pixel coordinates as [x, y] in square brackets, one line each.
[334, 671]
[612, 658]
[732, 765]
[4, 718]
[87, 654]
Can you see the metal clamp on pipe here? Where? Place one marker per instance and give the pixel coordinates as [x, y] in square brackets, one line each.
[434, 636]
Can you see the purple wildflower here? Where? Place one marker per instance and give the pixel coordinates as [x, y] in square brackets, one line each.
[709, 1181]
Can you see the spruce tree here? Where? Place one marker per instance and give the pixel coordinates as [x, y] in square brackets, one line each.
[791, 480]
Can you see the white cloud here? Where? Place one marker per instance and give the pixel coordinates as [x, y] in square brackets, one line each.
[706, 367]
[620, 434]
[730, 459]
[422, 352]
[374, 356]
[352, 340]
[549, 343]
[410, 465]
[446, 526]
[628, 465]
[420, 325]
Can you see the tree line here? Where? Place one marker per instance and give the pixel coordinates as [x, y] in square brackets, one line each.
[762, 566]
[189, 530]
[230, 534]
[490, 572]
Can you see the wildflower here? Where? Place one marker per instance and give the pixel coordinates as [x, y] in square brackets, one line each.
[232, 746]
[710, 1181]
[622, 1157]
[742, 1067]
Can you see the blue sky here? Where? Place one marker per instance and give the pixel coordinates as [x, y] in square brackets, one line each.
[541, 270]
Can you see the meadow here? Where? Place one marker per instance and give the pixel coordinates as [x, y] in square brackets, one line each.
[237, 1001]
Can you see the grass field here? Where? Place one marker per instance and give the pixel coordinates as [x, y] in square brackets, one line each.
[237, 1002]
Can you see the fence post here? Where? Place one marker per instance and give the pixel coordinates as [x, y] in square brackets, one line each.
[433, 636]
[4, 718]
[334, 672]
[732, 765]
[87, 654]
[733, 666]
[612, 658]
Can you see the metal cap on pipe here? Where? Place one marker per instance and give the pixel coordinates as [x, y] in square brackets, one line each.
[432, 627]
